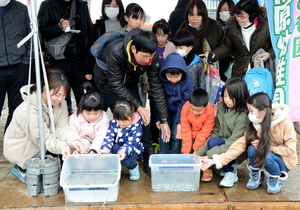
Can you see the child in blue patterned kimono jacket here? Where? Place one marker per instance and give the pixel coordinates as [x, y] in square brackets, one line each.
[124, 135]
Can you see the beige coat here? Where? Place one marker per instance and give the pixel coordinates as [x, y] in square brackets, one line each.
[17, 149]
[283, 132]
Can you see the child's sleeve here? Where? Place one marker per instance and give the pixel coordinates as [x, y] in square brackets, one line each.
[185, 130]
[110, 136]
[133, 144]
[100, 133]
[206, 129]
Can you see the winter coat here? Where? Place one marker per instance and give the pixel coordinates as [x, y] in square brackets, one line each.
[176, 94]
[196, 71]
[196, 127]
[94, 132]
[51, 12]
[17, 149]
[124, 72]
[14, 26]
[283, 132]
[229, 126]
[233, 43]
[214, 37]
[169, 48]
[128, 138]
[177, 16]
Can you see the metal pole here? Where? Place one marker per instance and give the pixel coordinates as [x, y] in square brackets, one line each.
[38, 78]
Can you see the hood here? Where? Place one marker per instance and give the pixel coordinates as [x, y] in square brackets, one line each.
[280, 112]
[24, 93]
[181, 4]
[173, 60]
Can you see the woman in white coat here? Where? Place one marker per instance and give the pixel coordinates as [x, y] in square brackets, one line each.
[18, 148]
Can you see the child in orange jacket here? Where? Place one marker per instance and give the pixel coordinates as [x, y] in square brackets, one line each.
[197, 121]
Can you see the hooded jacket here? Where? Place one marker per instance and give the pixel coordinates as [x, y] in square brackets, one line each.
[14, 26]
[233, 43]
[92, 131]
[17, 149]
[283, 132]
[122, 72]
[196, 70]
[176, 94]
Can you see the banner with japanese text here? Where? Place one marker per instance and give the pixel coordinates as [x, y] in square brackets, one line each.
[284, 22]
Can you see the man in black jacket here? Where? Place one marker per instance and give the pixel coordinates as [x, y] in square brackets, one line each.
[53, 19]
[14, 61]
[127, 59]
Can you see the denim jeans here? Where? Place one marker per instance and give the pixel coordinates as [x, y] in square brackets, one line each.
[214, 142]
[274, 163]
[129, 162]
[174, 145]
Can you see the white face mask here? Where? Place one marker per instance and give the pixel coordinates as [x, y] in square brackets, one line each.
[224, 15]
[182, 53]
[252, 118]
[111, 13]
[3, 3]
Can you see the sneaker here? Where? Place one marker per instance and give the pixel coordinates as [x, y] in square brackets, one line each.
[229, 179]
[234, 166]
[256, 179]
[18, 173]
[134, 173]
[207, 175]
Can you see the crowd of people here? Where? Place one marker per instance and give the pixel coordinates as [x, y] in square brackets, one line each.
[166, 66]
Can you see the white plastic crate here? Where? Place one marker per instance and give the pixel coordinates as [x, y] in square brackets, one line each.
[175, 172]
[91, 178]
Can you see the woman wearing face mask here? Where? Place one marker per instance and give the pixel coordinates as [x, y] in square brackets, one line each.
[224, 13]
[246, 33]
[270, 141]
[112, 10]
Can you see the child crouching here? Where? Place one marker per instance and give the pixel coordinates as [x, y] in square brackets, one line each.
[123, 137]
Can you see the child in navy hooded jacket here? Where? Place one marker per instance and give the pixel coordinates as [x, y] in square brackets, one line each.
[178, 85]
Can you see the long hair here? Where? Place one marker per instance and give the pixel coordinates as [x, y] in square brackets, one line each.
[90, 101]
[261, 101]
[238, 92]
[132, 10]
[202, 11]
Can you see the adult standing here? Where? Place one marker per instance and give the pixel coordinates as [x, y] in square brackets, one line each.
[53, 21]
[208, 33]
[127, 59]
[14, 61]
[177, 17]
[246, 34]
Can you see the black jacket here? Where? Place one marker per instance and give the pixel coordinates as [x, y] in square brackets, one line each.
[124, 72]
[51, 12]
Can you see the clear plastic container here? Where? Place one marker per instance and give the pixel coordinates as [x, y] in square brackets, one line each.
[175, 172]
[91, 178]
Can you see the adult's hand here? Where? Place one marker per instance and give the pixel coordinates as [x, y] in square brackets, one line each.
[264, 56]
[165, 132]
[66, 152]
[144, 115]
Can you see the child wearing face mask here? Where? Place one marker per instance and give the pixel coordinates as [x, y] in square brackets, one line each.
[270, 143]
[230, 124]
[184, 43]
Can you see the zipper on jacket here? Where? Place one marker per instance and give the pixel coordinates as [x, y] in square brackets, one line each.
[4, 37]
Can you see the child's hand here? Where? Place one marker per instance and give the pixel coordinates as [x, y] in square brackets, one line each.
[104, 150]
[78, 146]
[121, 154]
[179, 134]
[255, 143]
[206, 163]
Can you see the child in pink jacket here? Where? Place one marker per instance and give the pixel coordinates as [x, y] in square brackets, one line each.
[90, 121]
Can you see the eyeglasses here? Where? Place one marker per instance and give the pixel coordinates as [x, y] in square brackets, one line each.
[240, 16]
